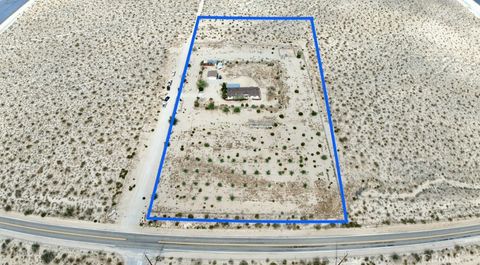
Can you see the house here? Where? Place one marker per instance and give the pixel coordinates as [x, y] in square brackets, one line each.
[212, 75]
[242, 93]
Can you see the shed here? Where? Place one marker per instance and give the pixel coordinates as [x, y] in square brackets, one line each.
[212, 74]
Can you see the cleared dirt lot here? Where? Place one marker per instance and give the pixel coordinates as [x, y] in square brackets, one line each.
[263, 159]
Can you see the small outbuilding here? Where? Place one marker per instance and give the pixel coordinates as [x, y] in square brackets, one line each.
[242, 93]
[212, 75]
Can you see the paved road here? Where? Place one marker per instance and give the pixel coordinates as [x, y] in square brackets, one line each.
[235, 244]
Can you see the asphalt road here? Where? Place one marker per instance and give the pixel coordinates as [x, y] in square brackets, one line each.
[235, 244]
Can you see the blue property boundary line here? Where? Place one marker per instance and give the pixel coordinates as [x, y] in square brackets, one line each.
[172, 119]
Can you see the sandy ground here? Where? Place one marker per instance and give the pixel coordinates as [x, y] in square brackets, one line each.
[81, 84]
[133, 208]
[403, 80]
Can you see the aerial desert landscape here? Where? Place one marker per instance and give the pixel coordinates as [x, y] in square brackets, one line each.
[405, 118]
[87, 93]
[266, 156]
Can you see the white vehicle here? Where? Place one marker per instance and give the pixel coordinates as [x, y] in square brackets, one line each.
[165, 101]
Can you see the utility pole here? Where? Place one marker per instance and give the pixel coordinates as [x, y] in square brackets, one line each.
[343, 259]
[146, 257]
[336, 254]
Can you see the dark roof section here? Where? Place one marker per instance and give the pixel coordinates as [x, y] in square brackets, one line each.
[243, 92]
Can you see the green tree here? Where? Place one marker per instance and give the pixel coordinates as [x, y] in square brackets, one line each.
[224, 90]
[201, 85]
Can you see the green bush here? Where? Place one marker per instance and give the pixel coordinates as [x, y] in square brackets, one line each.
[201, 85]
[210, 106]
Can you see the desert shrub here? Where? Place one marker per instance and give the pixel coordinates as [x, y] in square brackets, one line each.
[47, 256]
[175, 121]
[428, 254]
[395, 257]
[35, 247]
[123, 173]
[69, 212]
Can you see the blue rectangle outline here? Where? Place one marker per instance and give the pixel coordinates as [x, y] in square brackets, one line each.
[330, 122]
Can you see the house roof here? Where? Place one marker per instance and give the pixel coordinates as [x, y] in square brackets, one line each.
[242, 92]
[212, 73]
